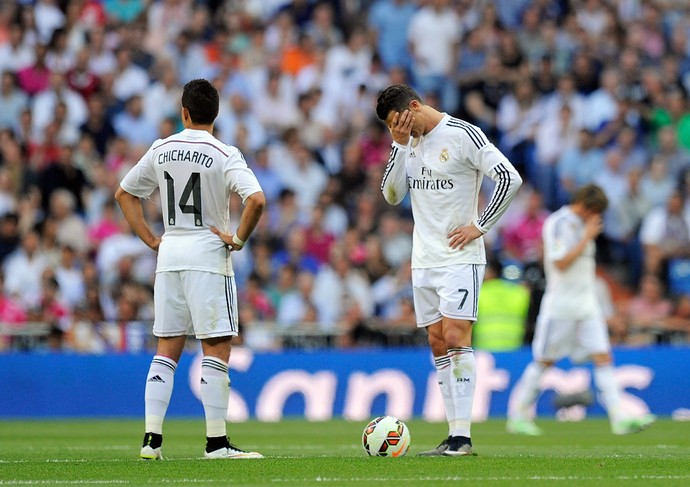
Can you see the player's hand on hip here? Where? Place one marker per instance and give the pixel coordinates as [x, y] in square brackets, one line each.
[155, 243]
[461, 236]
[401, 126]
[227, 239]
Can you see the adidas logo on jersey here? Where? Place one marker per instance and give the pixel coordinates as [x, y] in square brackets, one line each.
[156, 378]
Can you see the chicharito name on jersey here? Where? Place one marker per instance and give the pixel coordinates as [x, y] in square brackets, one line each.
[428, 182]
[179, 155]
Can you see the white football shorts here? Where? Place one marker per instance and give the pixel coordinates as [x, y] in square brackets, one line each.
[451, 291]
[555, 339]
[194, 302]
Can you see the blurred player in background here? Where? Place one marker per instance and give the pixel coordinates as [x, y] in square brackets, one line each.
[441, 161]
[570, 322]
[194, 286]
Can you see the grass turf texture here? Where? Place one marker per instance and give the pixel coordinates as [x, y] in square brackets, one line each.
[86, 452]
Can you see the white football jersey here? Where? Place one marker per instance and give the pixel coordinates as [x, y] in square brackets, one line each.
[443, 171]
[195, 173]
[571, 293]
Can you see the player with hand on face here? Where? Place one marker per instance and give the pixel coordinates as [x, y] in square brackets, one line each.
[194, 285]
[441, 160]
[570, 322]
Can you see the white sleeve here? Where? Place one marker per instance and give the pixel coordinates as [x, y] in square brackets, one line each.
[239, 177]
[141, 180]
[559, 238]
[484, 156]
[394, 183]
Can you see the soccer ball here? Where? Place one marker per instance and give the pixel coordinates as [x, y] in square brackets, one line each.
[386, 436]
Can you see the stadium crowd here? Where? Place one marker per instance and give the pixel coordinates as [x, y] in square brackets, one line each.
[573, 92]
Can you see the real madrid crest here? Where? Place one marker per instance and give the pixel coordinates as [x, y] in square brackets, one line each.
[444, 156]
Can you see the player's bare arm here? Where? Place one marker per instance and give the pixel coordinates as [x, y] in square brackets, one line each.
[253, 209]
[461, 236]
[134, 213]
[593, 227]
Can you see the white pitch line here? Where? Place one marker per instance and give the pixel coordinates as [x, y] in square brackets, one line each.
[62, 482]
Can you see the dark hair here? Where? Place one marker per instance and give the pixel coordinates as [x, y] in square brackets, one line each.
[395, 98]
[591, 197]
[201, 100]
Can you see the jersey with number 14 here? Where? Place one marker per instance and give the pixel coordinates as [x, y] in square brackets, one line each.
[196, 174]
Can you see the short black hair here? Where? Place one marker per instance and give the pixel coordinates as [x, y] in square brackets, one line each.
[395, 98]
[201, 100]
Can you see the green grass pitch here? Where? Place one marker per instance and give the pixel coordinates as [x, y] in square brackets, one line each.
[299, 453]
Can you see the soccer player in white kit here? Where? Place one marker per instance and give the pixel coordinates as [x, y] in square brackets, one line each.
[441, 161]
[570, 322]
[194, 286]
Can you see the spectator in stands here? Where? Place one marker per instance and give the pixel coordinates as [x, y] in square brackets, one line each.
[97, 124]
[665, 235]
[130, 79]
[522, 235]
[579, 165]
[319, 241]
[295, 252]
[132, 124]
[35, 78]
[12, 101]
[102, 59]
[678, 323]
[80, 78]
[70, 279]
[71, 228]
[433, 36]
[9, 234]
[391, 294]
[648, 311]
[188, 56]
[657, 183]
[296, 305]
[395, 241]
[517, 119]
[482, 98]
[335, 283]
[23, 269]
[11, 314]
[161, 99]
[236, 113]
[676, 160]
[50, 309]
[389, 21]
[16, 54]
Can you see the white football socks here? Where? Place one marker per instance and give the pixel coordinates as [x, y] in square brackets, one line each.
[159, 387]
[442, 364]
[215, 392]
[463, 377]
[609, 391]
[528, 391]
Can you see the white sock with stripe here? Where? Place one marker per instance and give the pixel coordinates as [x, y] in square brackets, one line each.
[463, 377]
[528, 391]
[159, 387]
[609, 391]
[442, 364]
[215, 392]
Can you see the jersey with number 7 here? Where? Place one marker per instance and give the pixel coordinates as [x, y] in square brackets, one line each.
[196, 174]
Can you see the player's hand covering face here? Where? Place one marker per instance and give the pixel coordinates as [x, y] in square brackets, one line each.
[400, 126]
